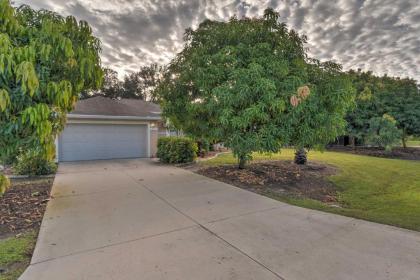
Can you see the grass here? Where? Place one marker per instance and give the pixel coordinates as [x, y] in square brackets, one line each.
[15, 255]
[413, 143]
[376, 189]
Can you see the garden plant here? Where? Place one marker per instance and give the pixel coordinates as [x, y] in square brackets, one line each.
[46, 60]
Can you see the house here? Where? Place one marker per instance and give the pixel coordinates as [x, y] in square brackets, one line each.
[104, 128]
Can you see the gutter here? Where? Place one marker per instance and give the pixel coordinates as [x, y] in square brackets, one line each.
[106, 117]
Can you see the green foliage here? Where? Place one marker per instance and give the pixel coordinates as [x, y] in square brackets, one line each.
[376, 96]
[319, 119]
[150, 76]
[176, 149]
[235, 81]
[383, 132]
[137, 85]
[367, 87]
[111, 86]
[142, 84]
[33, 162]
[401, 100]
[46, 60]
[4, 184]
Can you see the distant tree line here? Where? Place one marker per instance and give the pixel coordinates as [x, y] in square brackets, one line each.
[387, 109]
[136, 85]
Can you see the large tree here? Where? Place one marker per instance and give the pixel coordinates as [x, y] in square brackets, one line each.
[136, 85]
[46, 60]
[111, 86]
[150, 76]
[131, 87]
[358, 118]
[142, 84]
[250, 84]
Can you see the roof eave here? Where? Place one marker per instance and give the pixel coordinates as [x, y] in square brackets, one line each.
[108, 117]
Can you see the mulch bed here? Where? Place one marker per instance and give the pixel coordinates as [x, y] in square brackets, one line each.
[280, 177]
[22, 206]
[409, 153]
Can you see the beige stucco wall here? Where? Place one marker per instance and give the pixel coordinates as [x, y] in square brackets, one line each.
[153, 141]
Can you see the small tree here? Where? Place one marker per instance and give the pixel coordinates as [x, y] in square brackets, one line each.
[45, 62]
[383, 132]
[235, 81]
[401, 100]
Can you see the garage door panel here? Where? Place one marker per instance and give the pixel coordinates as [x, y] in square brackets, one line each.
[102, 141]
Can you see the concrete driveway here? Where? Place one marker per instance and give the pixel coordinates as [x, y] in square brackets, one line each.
[137, 219]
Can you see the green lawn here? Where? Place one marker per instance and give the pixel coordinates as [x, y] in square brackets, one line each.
[413, 143]
[15, 255]
[376, 189]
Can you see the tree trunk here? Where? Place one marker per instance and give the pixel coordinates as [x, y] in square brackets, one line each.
[353, 142]
[301, 156]
[404, 139]
[242, 162]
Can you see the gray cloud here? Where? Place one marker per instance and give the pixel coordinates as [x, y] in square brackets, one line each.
[378, 35]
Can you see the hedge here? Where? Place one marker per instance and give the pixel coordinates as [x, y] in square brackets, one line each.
[176, 149]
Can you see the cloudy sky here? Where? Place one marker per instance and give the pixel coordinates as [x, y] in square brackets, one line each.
[378, 35]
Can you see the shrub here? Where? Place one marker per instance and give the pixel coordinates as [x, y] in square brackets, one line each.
[176, 149]
[32, 162]
[383, 132]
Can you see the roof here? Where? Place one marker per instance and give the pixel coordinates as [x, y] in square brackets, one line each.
[103, 106]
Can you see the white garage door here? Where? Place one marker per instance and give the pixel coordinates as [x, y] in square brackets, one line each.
[102, 141]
